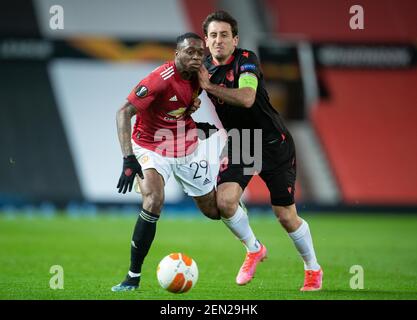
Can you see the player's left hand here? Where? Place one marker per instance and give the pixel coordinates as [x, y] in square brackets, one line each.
[196, 105]
[203, 77]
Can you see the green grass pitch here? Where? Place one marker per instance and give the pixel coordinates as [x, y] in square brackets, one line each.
[94, 253]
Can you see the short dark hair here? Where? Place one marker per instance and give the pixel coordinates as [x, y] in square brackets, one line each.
[188, 35]
[222, 16]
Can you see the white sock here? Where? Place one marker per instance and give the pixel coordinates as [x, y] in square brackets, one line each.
[239, 225]
[304, 244]
[133, 275]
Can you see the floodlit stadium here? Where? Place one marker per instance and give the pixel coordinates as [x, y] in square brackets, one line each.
[343, 76]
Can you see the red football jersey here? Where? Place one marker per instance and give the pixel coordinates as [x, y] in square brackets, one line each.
[161, 99]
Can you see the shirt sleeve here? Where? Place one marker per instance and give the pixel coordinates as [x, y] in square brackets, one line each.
[146, 92]
[249, 63]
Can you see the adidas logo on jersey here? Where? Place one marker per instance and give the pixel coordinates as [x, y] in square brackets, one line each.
[206, 181]
[174, 98]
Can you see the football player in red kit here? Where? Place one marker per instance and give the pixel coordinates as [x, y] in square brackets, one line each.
[165, 142]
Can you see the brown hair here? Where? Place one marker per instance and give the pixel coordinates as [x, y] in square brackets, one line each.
[222, 16]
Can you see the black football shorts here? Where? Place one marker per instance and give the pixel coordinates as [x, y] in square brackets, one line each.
[278, 170]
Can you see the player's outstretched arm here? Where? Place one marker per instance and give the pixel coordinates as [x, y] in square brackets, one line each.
[124, 129]
[131, 166]
[242, 97]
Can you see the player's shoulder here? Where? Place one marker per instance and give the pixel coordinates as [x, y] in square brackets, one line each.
[247, 61]
[158, 77]
[244, 55]
[164, 72]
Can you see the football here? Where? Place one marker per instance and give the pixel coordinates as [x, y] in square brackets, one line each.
[177, 273]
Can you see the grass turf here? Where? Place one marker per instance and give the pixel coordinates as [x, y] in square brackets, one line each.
[94, 253]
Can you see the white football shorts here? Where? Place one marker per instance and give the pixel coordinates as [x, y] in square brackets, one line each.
[196, 172]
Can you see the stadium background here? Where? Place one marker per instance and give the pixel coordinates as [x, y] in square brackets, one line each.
[349, 97]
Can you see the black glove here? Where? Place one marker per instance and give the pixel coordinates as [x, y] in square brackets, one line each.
[131, 168]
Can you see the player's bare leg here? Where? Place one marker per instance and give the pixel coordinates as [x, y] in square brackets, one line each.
[236, 219]
[299, 232]
[208, 205]
[152, 189]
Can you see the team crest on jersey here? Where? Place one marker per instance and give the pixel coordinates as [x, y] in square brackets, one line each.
[142, 92]
[144, 159]
[229, 75]
[175, 114]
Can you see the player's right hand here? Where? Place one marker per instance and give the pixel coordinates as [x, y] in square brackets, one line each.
[131, 168]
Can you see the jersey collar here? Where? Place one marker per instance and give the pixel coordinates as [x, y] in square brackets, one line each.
[177, 74]
[231, 58]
